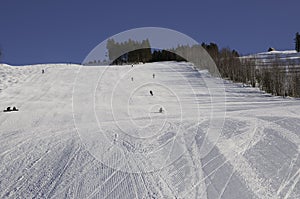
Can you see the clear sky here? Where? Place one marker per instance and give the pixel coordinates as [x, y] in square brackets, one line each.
[47, 31]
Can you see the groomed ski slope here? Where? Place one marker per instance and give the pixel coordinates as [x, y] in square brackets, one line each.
[94, 132]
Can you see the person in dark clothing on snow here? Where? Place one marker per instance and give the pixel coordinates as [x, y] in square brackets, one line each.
[8, 109]
[151, 93]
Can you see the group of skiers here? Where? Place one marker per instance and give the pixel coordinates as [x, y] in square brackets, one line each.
[8, 109]
[151, 92]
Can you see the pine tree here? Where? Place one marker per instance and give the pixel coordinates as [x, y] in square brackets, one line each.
[297, 42]
[110, 45]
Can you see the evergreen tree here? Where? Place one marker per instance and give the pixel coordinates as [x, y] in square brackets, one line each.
[129, 51]
[112, 49]
[297, 42]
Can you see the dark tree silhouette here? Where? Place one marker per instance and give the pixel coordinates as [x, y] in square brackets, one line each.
[297, 42]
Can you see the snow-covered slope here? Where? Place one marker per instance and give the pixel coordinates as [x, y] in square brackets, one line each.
[287, 57]
[96, 132]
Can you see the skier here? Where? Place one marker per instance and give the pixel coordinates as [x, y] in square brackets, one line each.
[131, 78]
[153, 75]
[115, 138]
[151, 93]
[7, 109]
[161, 110]
[43, 71]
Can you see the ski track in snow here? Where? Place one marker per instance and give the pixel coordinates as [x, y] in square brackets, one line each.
[92, 132]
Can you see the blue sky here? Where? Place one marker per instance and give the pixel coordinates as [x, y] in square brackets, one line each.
[35, 31]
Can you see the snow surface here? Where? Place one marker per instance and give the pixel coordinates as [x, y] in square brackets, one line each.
[286, 57]
[92, 132]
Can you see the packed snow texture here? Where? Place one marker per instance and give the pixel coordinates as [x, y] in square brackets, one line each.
[96, 132]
